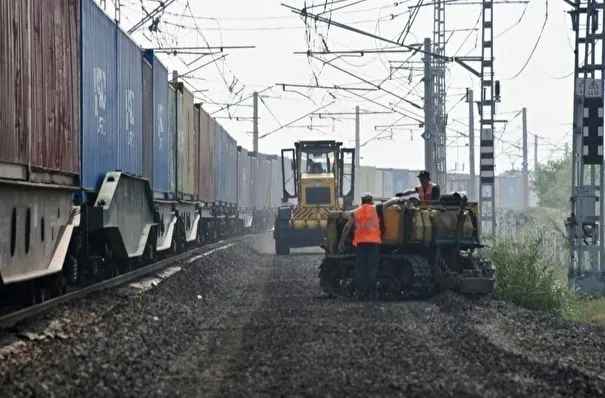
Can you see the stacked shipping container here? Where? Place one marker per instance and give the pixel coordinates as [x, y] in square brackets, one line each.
[225, 166]
[163, 163]
[206, 155]
[244, 184]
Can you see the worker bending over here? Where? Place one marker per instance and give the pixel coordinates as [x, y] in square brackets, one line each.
[427, 191]
[367, 240]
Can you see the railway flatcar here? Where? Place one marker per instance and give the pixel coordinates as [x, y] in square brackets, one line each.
[128, 170]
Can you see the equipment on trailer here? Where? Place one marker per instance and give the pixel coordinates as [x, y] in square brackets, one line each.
[425, 249]
[322, 180]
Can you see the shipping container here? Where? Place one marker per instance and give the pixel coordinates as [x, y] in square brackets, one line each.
[206, 155]
[129, 105]
[378, 184]
[509, 191]
[367, 178]
[253, 175]
[187, 144]
[40, 72]
[99, 96]
[400, 180]
[163, 140]
[262, 195]
[275, 179]
[387, 183]
[147, 119]
[243, 176]
[225, 166]
[172, 129]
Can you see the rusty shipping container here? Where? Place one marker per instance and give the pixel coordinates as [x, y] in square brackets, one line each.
[40, 90]
[206, 156]
[187, 144]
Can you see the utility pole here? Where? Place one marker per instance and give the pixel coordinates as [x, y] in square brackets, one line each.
[525, 165]
[255, 124]
[471, 144]
[356, 191]
[430, 130]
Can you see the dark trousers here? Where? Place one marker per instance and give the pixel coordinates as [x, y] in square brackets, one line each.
[368, 257]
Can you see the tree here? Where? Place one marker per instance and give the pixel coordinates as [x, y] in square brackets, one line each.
[552, 183]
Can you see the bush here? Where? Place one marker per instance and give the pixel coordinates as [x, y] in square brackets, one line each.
[528, 275]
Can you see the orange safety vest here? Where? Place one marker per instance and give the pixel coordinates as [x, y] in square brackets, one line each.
[367, 225]
[426, 195]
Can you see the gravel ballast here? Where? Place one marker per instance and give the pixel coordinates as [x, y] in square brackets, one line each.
[243, 322]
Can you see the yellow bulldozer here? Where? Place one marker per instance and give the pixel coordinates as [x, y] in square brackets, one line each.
[425, 249]
[319, 175]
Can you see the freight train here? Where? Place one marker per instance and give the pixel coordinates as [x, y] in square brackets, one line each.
[106, 161]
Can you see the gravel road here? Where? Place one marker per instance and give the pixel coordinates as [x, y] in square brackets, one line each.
[242, 322]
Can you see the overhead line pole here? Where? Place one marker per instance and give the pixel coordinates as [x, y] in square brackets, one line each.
[429, 113]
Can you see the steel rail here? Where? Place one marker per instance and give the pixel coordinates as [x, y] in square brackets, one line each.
[13, 318]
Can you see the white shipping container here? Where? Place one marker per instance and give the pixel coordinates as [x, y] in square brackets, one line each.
[367, 179]
[387, 183]
[378, 184]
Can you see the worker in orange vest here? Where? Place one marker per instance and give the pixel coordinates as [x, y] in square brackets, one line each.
[367, 242]
[427, 191]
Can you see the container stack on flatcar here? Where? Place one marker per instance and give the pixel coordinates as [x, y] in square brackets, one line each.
[106, 161]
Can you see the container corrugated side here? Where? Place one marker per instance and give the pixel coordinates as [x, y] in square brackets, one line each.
[187, 154]
[206, 150]
[400, 180]
[99, 100]
[163, 138]
[275, 179]
[243, 177]
[40, 91]
[378, 184]
[261, 182]
[387, 183]
[147, 119]
[253, 174]
[225, 157]
[172, 130]
[129, 105]
[267, 198]
[367, 178]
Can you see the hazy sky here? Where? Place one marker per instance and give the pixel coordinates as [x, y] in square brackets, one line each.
[541, 82]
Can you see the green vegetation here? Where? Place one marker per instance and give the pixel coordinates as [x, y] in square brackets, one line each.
[552, 183]
[531, 266]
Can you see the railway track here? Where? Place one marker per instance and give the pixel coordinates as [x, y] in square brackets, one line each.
[13, 318]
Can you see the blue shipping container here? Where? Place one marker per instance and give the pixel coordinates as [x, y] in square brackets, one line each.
[130, 105]
[400, 180]
[163, 140]
[112, 86]
[225, 158]
[99, 99]
[243, 174]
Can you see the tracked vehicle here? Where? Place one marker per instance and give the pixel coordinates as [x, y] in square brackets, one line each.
[320, 176]
[425, 249]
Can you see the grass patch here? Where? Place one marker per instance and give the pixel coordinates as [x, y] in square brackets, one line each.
[528, 275]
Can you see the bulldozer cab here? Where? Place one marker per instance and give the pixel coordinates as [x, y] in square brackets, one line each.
[318, 174]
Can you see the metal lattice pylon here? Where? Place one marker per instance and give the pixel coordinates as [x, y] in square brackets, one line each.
[584, 226]
[439, 94]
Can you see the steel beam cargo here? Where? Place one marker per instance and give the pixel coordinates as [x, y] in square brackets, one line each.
[187, 144]
[40, 91]
[243, 177]
[206, 154]
[163, 141]
[225, 166]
